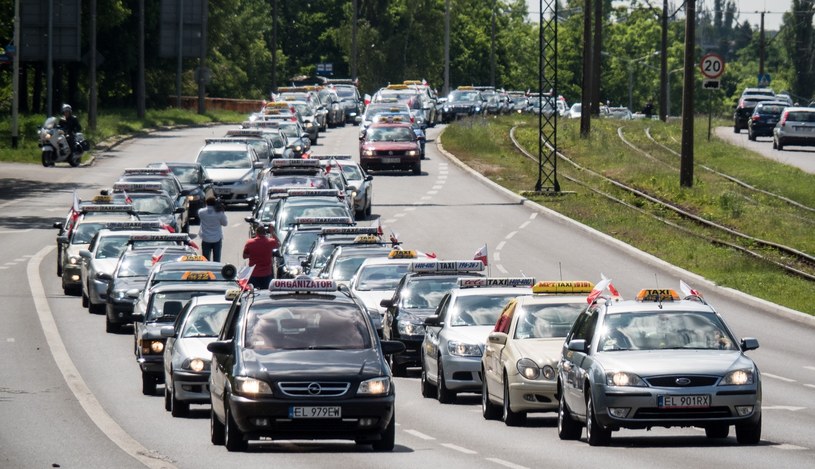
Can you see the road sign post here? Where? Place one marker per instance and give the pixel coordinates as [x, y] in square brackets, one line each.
[712, 68]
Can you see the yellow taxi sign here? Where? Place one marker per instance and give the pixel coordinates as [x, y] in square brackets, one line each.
[198, 276]
[657, 295]
[402, 254]
[102, 199]
[412, 82]
[560, 286]
[192, 258]
[466, 87]
[232, 293]
[397, 87]
[366, 239]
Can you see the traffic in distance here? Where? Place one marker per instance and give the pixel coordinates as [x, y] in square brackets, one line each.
[313, 353]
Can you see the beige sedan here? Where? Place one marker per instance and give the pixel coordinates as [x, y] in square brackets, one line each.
[520, 360]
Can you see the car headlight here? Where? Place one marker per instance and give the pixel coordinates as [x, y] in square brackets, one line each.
[152, 347]
[368, 153]
[446, 109]
[528, 368]
[622, 378]
[477, 109]
[462, 349]
[412, 153]
[298, 148]
[380, 386]
[251, 386]
[737, 378]
[409, 328]
[195, 364]
[119, 294]
[73, 260]
[309, 124]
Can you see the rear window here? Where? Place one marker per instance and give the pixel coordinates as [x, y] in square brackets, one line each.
[771, 109]
[801, 116]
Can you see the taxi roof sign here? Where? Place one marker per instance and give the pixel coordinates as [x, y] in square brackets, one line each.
[242, 140]
[192, 258]
[295, 163]
[160, 171]
[330, 157]
[313, 192]
[102, 199]
[495, 282]
[398, 86]
[366, 239]
[137, 186]
[562, 287]
[174, 237]
[323, 221]
[446, 266]
[232, 293]
[302, 283]
[349, 230]
[106, 208]
[402, 254]
[198, 276]
[133, 225]
[244, 133]
[657, 295]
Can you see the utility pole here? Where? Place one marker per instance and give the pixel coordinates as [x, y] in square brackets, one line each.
[492, 45]
[274, 46]
[688, 86]
[663, 66]
[15, 80]
[595, 67]
[202, 62]
[761, 47]
[354, 21]
[585, 114]
[140, 86]
[446, 89]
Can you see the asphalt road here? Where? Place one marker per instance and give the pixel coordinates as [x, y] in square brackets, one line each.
[70, 394]
[800, 157]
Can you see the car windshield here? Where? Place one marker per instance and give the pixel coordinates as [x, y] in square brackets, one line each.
[300, 242]
[352, 172]
[266, 212]
[345, 93]
[278, 142]
[290, 213]
[661, 330]
[544, 321]
[221, 159]
[187, 174]
[380, 277]
[306, 325]
[389, 134]
[84, 232]
[151, 204]
[312, 182]
[478, 310]
[346, 267]
[205, 320]
[165, 306]
[463, 96]
[427, 292]
[111, 247]
[770, 109]
[137, 265]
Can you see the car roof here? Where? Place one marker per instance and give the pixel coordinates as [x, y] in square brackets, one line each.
[633, 306]
[215, 287]
[214, 299]
[237, 145]
[483, 291]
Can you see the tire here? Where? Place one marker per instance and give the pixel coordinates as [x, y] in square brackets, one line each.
[399, 370]
[780, 145]
[748, 433]
[72, 291]
[46, 159]
[567, 427]
[388, 440]
[75, 160]
[95, 309]
[417, 168]
[428, 390]
[85, 300]
[717, 431]
[217, 433]
[177, 408]
[111, 327]
[595, 434]
[148, 385]
[59, 266]
[443, 395]
[736, 129]
[233, 437]
[775, 145]
[751, 136]
[168, 406]
[368, 209]
[359, 214]
[489, 410]
[510, 417]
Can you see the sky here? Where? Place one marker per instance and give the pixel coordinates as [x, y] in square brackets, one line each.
[747, 9]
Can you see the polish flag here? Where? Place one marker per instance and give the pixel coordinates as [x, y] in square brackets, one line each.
[687, 290]
[243, 276]
[481, 254]
[429, 255]
[128, 200]
[378, 226]
[598, 290]
[611, 288]
[158, 254]
[167, 227]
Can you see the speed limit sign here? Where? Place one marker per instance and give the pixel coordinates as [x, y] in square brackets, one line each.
[712, 65]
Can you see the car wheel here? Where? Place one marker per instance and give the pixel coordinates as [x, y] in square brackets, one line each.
[388, 438]
[736, 129]
[359, 214]
[444, 395]
[178, 408]
[428, 389]
[168, 406]
[417, 168]
[717, 431]
[59, 267]
[368, 209]
[751, 136]
[489, 410]
[216, 430]
[510, 417]
[398, 369]
[567, 427]
[595, 434]
[111, 327]
[85, 300]
[95, 308]
[749, 433]
[779, 145]
[72, 291]
[75, 160]
[148, 384]
[232, 435]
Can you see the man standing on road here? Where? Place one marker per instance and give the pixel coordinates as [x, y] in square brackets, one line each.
[212, 219]
[259, 252]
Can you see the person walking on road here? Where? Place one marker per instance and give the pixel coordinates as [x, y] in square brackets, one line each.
[212, 219]
[258, 251]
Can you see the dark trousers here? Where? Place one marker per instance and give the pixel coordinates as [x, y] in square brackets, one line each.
[261, 283]
[212, 251]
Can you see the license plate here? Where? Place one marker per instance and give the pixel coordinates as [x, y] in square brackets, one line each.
[221, 190]
[315, 412]
[683, 402]
[390, 160]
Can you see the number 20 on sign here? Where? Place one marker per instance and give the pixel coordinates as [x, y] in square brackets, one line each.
[712, 65]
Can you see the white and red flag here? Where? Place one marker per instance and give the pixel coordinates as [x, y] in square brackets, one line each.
[598, 289]
[378, 226]
[128, 200]
[243, 276]
[481, 254]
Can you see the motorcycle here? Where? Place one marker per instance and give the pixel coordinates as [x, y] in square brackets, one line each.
[55, 147]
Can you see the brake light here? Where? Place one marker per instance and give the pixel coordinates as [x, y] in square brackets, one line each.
[784, 118]
[756, 117]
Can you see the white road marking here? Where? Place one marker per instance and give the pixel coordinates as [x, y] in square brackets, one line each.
[15, 231]
[780, 378]
[419, 435]
[459, 448]
[28, 256]
[400, 215]
[409, 209]
[19, 259]
[389, 221]
[501, 268]
[10, 202]
[426, 197]
[533, 216]
[510, 235]
[788, 447]
[781, 407]
[812, 368]
[496, 255]
[500, 245]
[74, 380]
[2, 267]
[432, 192]
[524, 225]
[438, 186]
[235, 225]
[506, 463]
[10, 340]
[810, 386]
[10, 263]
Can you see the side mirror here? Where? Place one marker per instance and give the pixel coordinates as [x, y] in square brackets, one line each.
[386, 303]
[258, 165]
[499, 338]
[104, 276]
[220, 347]
[133, 293]
[62, 239]
[138, 317]
[186, 192]
[58, 225]
[207, 181]
[276, 253]
[749, 343]
[389, 347]
[250, 220]
[167, 331]
[578, 345]
[433, 321]
[304, 135]
[84, 253]
[369, 178]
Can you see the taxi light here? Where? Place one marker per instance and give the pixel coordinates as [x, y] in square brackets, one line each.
[528, 368]
[496, 282]
[737, 378]
[198, 276]
[657, 295]
[366, 239]
[252, 386]
[375, 386]
[447, 266]
[621, 378]
[560, 287]
[232, 293]
[192, 258]
[303, 283]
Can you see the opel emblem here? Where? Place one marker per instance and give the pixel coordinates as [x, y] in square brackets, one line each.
[390, 153]
[314, 389]
[682, 381]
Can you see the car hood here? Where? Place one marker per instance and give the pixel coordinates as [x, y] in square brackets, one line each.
[542, 351]
[227, 174]
[73, 249]
[384, 146]
[105, 265]
[371, 299]
[662, 362]
[468, 334]
[192, 347]
[127, 283]
[315, 364]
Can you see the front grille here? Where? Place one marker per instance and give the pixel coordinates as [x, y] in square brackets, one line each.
[655, 413]
[387, 153]
[313, 388]
[688, 381]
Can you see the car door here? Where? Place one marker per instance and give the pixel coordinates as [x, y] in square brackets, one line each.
[432, 337]
[494, 351]
[574, 364]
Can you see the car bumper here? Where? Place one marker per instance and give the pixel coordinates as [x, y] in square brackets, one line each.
[462, 373]
[362, 418]
[808, 141]
[532, 396]
[152, 365]
[765, 130]
[236, 193]
[389, 162]
[410, 356]
[71, 275]
[120, 312]
[98, 293]
[191, 387]
[643, 411]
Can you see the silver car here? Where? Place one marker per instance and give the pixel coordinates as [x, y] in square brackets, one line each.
[796, 127]
[657, 361]
[234, 169]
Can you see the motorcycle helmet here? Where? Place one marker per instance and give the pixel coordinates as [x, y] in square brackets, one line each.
[66, 108]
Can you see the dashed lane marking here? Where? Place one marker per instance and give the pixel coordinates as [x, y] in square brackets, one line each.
[15, 231]
[810, 386]
[10, 340]
[511, 235]
[389, 221]
[419, 435]
[437, 186]
[497, 255]
[399, 215]
[460, 449]
[500, 245]
[409, 209]
[780, 378]
[781, 407]
[524, 225]
[506, 463]
[788, 447]
[812, 368]
[501, 268]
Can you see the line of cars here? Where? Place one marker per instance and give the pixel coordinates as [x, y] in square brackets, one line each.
[765, 114]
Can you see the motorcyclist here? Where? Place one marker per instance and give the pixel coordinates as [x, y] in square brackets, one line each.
[70, 125]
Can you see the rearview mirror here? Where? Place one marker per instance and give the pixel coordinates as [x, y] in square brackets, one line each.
[749, 343]
[220, 347]
[389, 347]
[433, 321]
[167, 331]
[578, 345]
[386, 303]
[499, 338]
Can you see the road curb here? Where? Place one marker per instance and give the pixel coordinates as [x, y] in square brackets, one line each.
[735, 295]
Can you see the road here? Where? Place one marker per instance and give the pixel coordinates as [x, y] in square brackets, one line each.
[800, 157]
[70, 394]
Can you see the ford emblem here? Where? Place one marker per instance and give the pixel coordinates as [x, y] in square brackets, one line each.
[682, 381]
[315, 388]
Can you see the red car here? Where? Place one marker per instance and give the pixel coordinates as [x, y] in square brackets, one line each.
[390, 146]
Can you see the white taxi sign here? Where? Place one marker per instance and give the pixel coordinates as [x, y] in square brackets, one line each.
[330, 157]
[446, 266]
[348, 230]
[294, 163]
[283, 190]
[133, 225]
[496, 282]
[106, 208]
[313, 193]
[563, 287]
[323, 221]
[178, 237]
[302, 283]
[147, 171]
[137, 186]
[237, 140]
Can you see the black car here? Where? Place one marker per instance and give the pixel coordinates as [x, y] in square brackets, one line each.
[416, 297]
[193, 178]
[765, 115]
[301, 361]
[462, 102]
[744, 110]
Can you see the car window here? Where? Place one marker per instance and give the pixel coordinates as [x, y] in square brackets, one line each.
[111, 247]
[541, 321]
[224, 159]
[152, 204]
[313, 325]
[205, 320]
[187, 174]
[660, 330]
[84, 232]
[426, 293]
[478, 310]
[380, 277]
[801, 116]
[165, 307]
[135, 266]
